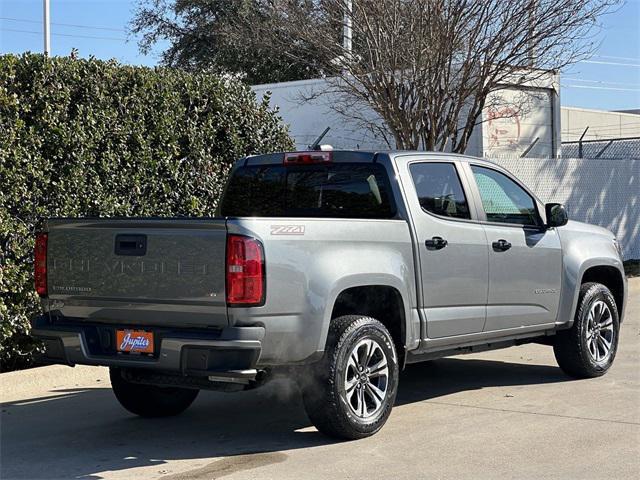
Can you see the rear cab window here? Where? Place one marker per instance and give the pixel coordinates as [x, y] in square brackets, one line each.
[332, 190]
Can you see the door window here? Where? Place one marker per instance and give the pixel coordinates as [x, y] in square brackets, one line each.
[503, 200]
[439, 189]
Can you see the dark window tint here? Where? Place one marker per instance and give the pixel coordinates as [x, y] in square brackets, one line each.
[348, 190]
[439, 189]
[503, 200]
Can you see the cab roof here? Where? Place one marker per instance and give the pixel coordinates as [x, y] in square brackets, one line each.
[364, 156]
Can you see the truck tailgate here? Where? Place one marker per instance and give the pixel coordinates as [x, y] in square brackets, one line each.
[163, 272]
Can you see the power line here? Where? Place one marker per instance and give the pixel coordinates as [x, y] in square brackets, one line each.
[632, 59]
[113, 29]
[64, 34]
[602, 82]
[593, 87]
[598, 62]
[74, 25]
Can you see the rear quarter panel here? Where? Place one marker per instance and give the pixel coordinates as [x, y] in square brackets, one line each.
[308, 263]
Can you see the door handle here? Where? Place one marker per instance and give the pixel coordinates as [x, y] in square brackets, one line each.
[501, 245]
[435, 243]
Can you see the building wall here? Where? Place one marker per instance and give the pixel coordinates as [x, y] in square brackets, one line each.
[602, 124]
[505, 129]
[509, 132]
[307, 118]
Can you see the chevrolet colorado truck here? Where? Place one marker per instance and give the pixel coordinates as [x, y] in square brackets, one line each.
[338, 266]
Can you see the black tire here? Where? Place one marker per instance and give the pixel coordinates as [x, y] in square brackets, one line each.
[150, 400]
[323, 386]
[571, 346]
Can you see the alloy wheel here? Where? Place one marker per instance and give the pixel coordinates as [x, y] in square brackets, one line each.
[599, 332]
[366, 378]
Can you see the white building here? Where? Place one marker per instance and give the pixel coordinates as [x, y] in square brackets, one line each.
[504, 130]
[601, 124]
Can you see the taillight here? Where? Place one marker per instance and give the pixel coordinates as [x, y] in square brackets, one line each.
[40, 264]
[302, 158]
[245, 271]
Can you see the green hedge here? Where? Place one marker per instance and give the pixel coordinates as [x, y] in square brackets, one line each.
[94, 138]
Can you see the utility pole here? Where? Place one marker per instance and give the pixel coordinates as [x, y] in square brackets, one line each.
[47, 33]
[347, 32]
[533, 10]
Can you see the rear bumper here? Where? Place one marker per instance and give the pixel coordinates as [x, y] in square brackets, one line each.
[229, 352]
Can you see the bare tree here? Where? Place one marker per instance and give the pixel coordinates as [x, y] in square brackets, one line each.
[428, 68]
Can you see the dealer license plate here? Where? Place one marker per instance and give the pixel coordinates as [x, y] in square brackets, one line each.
[139, 341]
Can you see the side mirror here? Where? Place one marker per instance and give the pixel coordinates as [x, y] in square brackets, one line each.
[556, 214]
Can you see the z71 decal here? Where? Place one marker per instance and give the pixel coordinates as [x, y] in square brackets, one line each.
[287, 229]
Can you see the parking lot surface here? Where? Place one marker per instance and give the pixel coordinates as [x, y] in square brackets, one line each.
[503, 414]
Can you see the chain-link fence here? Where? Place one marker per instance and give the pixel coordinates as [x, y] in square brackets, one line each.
[612, 148]
[603, 192]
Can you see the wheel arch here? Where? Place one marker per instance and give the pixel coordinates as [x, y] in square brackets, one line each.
[611, 278]
[605, 270]
[383, 302]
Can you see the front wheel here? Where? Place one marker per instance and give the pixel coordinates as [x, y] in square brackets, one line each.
[589, 347]
[150, 400]
[350, 393]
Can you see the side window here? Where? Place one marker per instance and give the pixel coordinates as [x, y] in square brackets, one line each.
[439, 189]
[503, 200]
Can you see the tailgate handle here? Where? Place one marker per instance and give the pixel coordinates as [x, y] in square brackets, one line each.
[131, 245]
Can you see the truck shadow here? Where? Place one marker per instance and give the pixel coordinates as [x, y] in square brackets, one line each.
[425, 381]
[78, 433]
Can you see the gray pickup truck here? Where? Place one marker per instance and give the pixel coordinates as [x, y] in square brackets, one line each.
[340, 267]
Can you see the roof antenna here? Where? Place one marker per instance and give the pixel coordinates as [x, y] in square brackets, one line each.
[316, 144]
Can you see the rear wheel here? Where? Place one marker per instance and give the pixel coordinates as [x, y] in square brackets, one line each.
[150, 400]
[350, 392]
[589, 347]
